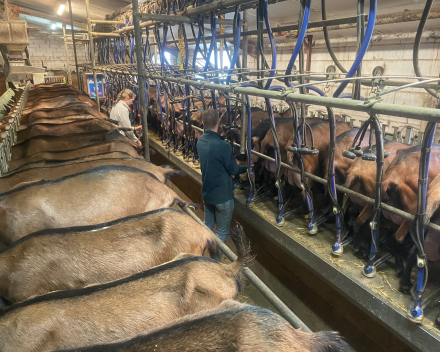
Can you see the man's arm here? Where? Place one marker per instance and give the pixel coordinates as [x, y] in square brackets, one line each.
[230, 163]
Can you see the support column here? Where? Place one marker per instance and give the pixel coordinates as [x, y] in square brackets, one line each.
[69, 74]
[244, 52]
[356, 92]
[74, 45]
[141, 78]
[92, 51]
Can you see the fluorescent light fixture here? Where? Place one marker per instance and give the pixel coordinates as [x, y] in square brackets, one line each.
[61, 9]
[53, 26]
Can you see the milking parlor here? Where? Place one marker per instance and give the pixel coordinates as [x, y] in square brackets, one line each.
[220, 175]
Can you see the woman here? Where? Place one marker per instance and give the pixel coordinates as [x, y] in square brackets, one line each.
[120, 113]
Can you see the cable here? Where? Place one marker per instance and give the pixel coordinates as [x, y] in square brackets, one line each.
[417, 40]
[327, 40]
[299, 43]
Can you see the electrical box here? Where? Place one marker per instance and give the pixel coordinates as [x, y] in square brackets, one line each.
[91, 85]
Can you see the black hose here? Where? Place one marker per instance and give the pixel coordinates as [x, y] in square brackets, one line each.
[417, 40]
[327, 40]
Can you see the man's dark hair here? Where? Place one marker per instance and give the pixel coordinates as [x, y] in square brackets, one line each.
[210, 118]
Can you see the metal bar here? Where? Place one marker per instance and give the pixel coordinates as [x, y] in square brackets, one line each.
[141, 79]
[260, 285]
[107, 21]
[104, 34]
[285, 28]
[199, 10]
[92, 52]
[244, 46]
[6, 6]
[356, 89]
[338, 187]
[166, 18]
[411, 112]
[69, 74]
[74, 46]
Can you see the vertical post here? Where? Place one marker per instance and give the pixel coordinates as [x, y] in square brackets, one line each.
[92, 51]
[309, 45]
[141, 78]
[243, 66]
[74, 45]
[356, 92]
[69, 74]
[6, 3]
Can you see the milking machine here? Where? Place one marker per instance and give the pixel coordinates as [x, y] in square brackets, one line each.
[364, 41]
[417, 232]
[299, 148]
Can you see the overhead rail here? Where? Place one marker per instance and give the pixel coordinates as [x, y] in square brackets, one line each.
[288, 95]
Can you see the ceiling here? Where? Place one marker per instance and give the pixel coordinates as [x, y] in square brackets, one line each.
[281, 13]
[98, 8]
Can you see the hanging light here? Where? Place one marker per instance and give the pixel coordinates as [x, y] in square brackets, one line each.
[61, 9]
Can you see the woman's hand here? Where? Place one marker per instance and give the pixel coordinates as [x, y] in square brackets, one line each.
[137, 128]
[138, 143]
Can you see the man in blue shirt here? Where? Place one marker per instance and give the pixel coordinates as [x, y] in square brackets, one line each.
[217, 165]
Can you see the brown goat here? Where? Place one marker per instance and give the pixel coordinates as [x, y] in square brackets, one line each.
[81, 126]
[121, 309]
[68, 142]
[91, 151]
[90, 197]
[56, 171]
[70, 258]
[232, 326]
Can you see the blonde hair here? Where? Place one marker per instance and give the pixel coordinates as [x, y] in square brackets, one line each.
[123, 94]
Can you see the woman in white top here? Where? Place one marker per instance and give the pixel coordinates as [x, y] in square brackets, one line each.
[121, 113]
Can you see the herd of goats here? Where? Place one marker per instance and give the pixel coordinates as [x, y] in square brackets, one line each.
[354, 168]
[94, 257]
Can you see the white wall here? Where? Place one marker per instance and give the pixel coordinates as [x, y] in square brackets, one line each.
[393, 52]
[51, 51]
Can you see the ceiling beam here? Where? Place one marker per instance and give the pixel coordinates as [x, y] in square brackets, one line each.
[26, 8]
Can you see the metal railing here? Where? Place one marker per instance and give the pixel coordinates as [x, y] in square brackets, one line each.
[9, 136]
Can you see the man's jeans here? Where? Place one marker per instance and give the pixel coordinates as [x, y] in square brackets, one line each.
[221, 215]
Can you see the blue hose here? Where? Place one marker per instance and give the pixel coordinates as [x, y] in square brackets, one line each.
[316, 90]
[363, 49]
[199, 37]
[299, 43]
[272, 45]
[349, 96]
[211, 46]
[236, 48]
[146, 46]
